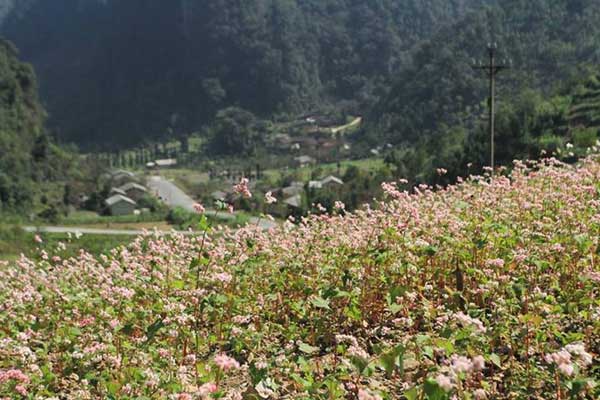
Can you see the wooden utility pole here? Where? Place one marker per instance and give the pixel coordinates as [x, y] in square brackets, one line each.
[492, 69]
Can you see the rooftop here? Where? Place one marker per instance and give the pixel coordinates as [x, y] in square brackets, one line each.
[167, 162]
[118, 191]
[132, 185]
[117, 198]
[331, 179]
[294, 201]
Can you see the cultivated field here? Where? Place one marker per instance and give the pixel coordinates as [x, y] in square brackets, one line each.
[485, 290]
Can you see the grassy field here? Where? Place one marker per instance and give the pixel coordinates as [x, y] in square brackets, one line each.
[14, 242]
[88, 218]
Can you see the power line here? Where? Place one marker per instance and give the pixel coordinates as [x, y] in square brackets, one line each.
[492, 69]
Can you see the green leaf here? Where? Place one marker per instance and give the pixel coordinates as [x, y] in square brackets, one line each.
[433, 390]
[178, 284]
[495, 359]
[396, 292]
[153, 329]
[428, 351]
[203, 225]
[395, 308]
[578, 386]
[308, 349]
[445, 344]
[412, 394]
[113, 387]
[392, 360]
[431, 251]
[74, 332]
[320, 302]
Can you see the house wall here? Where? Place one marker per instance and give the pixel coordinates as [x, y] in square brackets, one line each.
[122, 208]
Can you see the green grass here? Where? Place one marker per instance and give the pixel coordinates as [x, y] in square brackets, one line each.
[89, 218]
[14, 242]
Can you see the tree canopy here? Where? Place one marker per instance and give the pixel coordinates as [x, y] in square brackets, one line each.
[116, 73]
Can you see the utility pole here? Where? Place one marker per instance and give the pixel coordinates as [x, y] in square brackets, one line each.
[492, 69]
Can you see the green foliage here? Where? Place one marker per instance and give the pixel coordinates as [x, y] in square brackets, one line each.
[585, 137]
[235, 131]
[23, 146]
[165, 68]
[540, 100]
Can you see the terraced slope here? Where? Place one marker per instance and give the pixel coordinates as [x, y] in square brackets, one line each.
[585, 109]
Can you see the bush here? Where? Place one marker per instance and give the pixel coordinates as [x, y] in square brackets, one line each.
[584, 138]
[550, 142]
[179, 217]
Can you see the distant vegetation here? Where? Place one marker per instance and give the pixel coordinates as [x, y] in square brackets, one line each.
[116, 73]
[28, 158]
[436, 110]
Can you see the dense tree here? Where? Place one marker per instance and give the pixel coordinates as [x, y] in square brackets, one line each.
[553, 44]
[22, 142]
[120, 72]
[234, 132]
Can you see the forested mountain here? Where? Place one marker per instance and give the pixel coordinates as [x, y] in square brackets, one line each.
[22, 142]
[436, 107]
[120, 72]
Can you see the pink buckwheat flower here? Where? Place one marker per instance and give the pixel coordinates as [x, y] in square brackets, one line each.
[242, 188]
[86, 321]
[207, 389]
[225, 362]
[339, 206]
[444, 382]
[21, 390]
[497, 262]
[199, 208]
[478, 363]
[269, 199]
[13, 374]
[566, 369]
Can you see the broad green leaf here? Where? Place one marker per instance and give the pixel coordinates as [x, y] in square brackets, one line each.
[433, 390]
[320, 302]
[412, 394]
[495, 359]
[308, 349]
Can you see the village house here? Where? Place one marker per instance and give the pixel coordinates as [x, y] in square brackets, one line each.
[304, 161]
[115, 190]
[294, 189]
[119, 177]
[325, 183]
[315, 185]
[294, 201]
[166, 163]
[331, 181]
[120, 205]
[134, 190]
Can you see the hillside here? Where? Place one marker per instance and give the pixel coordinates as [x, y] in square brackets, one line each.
[585, 109]
[22, 142]
[484, 290]
[436, 112]
[549, 41]
[120, 72]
